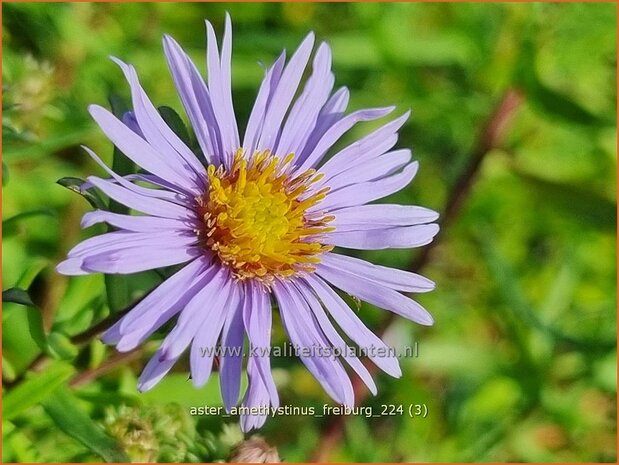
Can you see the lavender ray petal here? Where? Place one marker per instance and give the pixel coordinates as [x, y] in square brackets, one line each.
[213, 294]
[334, 338]
[371, 170]
[148, 205]
[132, 123]
[172, 197]
[194, 96]
[205, 340]
[138, 150]
[376, 294]
[389, 238]
[156, 131]
[261, 104]
[333, 134]
[304, 112]
[350, 323]
[393, 278]
[302, 331]
[109, 242]
[71, 266]
[256, 396]
[257, 321]
[362, 193]
[332, 112]
[284, 93]
[136, 259]
[154, 371]
[368, 147]
[169, 294]
[380, 216]
[231, 361]
[220, 90]
[137, 223]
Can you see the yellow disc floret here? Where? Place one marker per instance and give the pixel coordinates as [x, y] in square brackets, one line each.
[256, 220]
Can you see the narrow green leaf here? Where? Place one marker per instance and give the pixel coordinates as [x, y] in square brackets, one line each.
[92, 196]
[35, 388]
[63, 408]
[35, 325]
[35, 317]
[17, 296]
[5, 174]
[117, 290]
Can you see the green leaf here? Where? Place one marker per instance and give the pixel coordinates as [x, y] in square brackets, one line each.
[35, 317]
[31, 272]
[63, 408]
[74, 184]
[17, 296]
[117, 290]
[5, 174]
[35, 389]
[175, 122]
[61, 347]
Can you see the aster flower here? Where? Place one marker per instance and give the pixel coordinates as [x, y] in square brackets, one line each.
[254, 222]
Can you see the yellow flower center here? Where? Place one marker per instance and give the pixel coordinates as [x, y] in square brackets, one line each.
[256, 220]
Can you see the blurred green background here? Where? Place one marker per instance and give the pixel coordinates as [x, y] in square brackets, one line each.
[521, 363]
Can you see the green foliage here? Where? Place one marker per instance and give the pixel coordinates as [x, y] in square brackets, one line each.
[62, 407]
[521, 363]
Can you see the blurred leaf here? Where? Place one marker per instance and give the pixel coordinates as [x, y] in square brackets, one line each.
[517, 305]
[558, 105]
[5, 174]
[592, 209]
[60, 346]
[605, 372]
[9, 225]
[35, 388]
[8, 371]
[63, 408]
[33, 268]
[74, 184]
[173, 119]
[548, 100]
[46, 146]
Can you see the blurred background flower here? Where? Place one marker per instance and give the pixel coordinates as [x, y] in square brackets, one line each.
[514, 124]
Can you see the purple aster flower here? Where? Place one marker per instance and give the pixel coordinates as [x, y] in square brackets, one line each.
[254, 222]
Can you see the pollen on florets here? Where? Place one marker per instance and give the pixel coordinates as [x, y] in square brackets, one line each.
[255, 217]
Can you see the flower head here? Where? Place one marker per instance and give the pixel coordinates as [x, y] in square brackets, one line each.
[254, 222]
